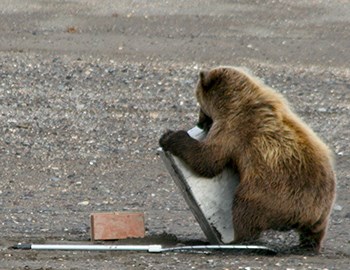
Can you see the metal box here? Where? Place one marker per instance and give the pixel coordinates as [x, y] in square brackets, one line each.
[210, 199]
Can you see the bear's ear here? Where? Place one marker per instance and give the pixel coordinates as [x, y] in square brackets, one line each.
[202, 75]
[207, 79]
[204, 79]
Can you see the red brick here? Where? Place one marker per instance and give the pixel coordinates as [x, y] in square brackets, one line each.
[117, 225]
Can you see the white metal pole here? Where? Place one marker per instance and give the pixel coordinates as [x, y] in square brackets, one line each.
[148, 248]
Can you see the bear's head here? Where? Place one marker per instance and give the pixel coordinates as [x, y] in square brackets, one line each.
[219, 89]
[225, 93]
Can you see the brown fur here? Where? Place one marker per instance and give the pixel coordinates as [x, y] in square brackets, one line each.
[286, 175]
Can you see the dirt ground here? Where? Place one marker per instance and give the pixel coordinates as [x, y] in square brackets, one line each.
[87, 87]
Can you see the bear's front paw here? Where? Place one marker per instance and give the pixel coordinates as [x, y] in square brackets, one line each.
[164, 140]
[171, 140]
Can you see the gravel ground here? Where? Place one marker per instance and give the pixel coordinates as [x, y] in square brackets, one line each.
[88, 87]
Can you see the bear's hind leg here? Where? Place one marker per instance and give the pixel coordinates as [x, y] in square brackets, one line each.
[311, 237]
[248, 223]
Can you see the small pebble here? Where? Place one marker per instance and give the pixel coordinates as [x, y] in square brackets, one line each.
[84, 203]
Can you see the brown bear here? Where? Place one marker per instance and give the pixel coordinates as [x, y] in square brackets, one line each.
[286, 172]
